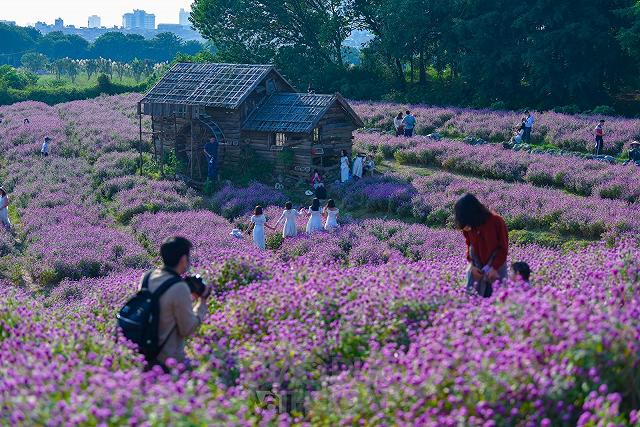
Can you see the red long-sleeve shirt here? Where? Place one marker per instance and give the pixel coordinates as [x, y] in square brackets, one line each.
[487, 238]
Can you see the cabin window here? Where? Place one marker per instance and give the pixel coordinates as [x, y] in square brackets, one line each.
[316, 135]
[271, 86]
[278, 139]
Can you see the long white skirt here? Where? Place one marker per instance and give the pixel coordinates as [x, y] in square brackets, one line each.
[258, 236]
[344, 174]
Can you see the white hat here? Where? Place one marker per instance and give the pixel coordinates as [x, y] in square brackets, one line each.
[308, 193]
[236, 233]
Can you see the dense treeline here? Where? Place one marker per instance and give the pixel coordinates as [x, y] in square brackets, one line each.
[16, 41]
[478, 52]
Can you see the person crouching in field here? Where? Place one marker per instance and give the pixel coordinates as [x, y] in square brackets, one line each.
[487, 239]
[520, 272]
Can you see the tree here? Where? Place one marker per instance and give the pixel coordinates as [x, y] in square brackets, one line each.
[34, 61]
[57, 45]
[137, 68]
[105, 66]
[15, 79]
[120, 47]
[191, 47]
[121, 69]
[281, 31]
[59, 67]
[15, 42]
[73, 68]
[164, 46]
[91, 67]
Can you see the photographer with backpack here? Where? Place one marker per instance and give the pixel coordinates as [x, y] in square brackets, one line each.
[160, 316]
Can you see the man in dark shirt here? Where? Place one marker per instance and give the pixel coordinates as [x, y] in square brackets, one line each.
[211, 154]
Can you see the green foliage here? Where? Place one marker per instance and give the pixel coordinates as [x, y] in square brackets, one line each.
[287, 158]
[274, 241]
[603, 110]
[34, 61]
[10, 78]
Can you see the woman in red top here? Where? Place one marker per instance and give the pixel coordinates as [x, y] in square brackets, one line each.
[487, 239]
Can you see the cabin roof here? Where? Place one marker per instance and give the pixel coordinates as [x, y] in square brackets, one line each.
[295, 112]
[212, 85]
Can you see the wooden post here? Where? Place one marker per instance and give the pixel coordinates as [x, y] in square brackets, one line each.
[191, 134]
[140, 141]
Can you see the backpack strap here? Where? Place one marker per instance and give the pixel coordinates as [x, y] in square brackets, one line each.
[145, 280]
[157, 294]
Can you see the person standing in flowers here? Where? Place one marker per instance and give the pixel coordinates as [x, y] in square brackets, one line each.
[289, 215]
[315, 217]
[358, 164]
[259, 220]
[487, 240]
[528, 127]
[331, 214]
[398, 124]
[409, 123]
[598, 132]
[45, 147]
[344, 167]
[4, 209]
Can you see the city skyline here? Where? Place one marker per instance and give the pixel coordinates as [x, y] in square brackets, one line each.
[28, 12]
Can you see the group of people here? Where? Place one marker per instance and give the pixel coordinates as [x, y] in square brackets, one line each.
[289, 216]
[404, 124]
[362, 164]
[522, 133]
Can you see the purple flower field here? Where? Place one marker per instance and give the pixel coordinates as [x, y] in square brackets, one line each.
[571, 132]
[369, 325]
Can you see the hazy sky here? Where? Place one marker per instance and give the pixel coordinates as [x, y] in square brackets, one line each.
[76, 12]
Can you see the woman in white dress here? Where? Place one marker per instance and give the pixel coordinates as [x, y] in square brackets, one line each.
[4, 211]
[331, 213]
[315, 217]
[344, 167]
[259, 222]
[357, 166]
[289, 216]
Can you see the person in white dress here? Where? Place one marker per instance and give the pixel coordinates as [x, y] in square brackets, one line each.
[331, 213]
[398, 124]
[315, 217]
[4, 211]
[289, 216]
[357, 166]
[344, 167]
[259, 222]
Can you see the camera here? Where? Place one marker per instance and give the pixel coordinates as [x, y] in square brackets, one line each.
[196, 284]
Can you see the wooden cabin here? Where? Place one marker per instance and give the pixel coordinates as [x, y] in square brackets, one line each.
[250, 110]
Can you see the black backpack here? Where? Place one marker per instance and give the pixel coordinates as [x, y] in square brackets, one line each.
[138, 319]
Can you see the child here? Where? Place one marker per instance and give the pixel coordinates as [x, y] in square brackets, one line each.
[331, 213]
[289, 216]
[520, 272]
[259, 222]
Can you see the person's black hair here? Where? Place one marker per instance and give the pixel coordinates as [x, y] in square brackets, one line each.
[288, 206]
[315, 204]
[408, 112]
[331, 204]
[46, 138]
[173, 248]
[522, 268]
[258, 210]
[526, 111]
[602, 120]
[470, 212]
[399, 114]
[344, 152]
[3, 191]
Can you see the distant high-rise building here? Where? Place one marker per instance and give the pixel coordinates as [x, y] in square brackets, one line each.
[139, 19]
[59, 24]
[93, 21]
[184, 18]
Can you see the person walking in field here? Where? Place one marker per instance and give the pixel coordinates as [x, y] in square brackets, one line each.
[397, 123]
[528, 127]
[344, 167]
[409, 123]
[259, 220]
[487, 240]
[331, 213]
[45, 147]
[315, 217]
[4, 209]
[598, 132]
[289, 215]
